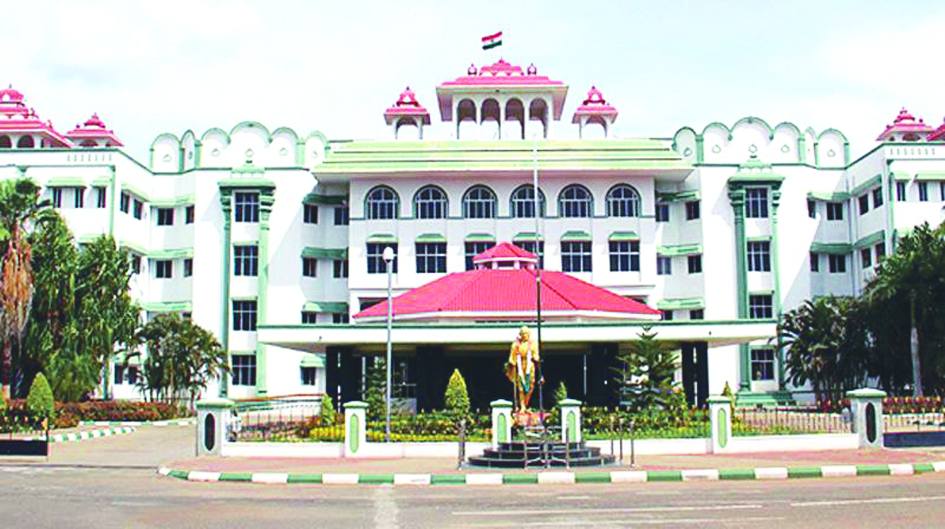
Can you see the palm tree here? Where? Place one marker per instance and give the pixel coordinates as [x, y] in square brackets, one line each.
[913, 275]
[20, 210]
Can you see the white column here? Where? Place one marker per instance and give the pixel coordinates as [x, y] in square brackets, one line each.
[570, 420]
[355, 428]
[213, 419]
[867, 407]
[720, 417]
[501, 422]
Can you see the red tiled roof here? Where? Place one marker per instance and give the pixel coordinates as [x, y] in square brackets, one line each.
[505, 251]
[496, 291]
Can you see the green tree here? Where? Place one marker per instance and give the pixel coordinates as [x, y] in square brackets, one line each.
[181, 359]
[20, 210]
[40, 399]
[326, 413]
[906, 293]
[376, 389]
[645, 373]
[561, 392]
[825, 345]
[456, 399]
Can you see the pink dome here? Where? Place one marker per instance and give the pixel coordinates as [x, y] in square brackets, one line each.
[906, 125]
[407, 105]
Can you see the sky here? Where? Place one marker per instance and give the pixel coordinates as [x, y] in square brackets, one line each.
[169, 66]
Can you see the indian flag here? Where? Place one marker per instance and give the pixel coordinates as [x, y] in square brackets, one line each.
[492, 41]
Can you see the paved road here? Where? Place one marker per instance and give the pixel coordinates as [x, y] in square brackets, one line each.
[110, 483]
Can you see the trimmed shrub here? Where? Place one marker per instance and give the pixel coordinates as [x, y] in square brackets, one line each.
[456, 399]
[561, 392]
[327, 415]
[40, 399]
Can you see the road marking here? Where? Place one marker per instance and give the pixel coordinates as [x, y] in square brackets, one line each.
[828, 503]
[564, 512]
[645, 521]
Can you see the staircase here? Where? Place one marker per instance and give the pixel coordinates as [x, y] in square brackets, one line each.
[524, 454]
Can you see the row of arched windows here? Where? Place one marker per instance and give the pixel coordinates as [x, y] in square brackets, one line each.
[479, 202]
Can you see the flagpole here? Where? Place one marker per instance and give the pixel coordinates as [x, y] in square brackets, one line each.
[539, 252]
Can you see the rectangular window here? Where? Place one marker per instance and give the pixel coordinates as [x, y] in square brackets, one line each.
[760, 306]
[576, 256]
[165, 216]
[136, 263]
[375, 258]
[189, 215]
[814, 262]
[187, 315]
[243, 369]
[762, 364]
[339, 317]
[537, 249]
[664, 265]
[341, 216]
[309, 267]
[138, 211]
[692, 210]
[78, 197]
[837, 264]
[877, 197]
[941, 191]
[125, 203]
[695, 263]
[900, 191]
[310, 214]
[923, 191]
[834, 210]
[246, 260]
[662, 213]
[309, 316]
[864, 201]
[624, 256]
[697, 314]
[339, 268]
[57, 197]
[474, 248]
[100, 196]
[431, 257]
[756, 203]
[309, 375]
[866, 257]
[880, 251]
[164, 269]
[246, 207]
[188, 267]
[759, 256]
[667, 315]
[812, 209]
[244, 315]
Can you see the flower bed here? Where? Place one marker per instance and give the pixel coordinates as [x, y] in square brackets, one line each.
[70, 414]
[891, 405]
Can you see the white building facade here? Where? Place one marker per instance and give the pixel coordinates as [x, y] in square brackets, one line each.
[272, 239]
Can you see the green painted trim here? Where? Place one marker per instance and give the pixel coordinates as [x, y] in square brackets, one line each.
[113, 200]
[618, 236]
[304, 478]
[688, 195]
[246, 183]
[333, 307]
[576, 235]
[479, 237]
[325, 200]
[167, 306]
[66, 181]
[312, 360]
[235, 476]
[519, 479]
[226, 207]
[527, 236]
[514, 325]
[900, 177]
[735, 474]
[836, 196]
[664, 475]
[679, 249]
[382, 238]
[187, 200]
[837, 248]
[804, 472]
[177, 253]
[736, 195]
[335, 254]
[430, 237]
[266, 201]
[867, 185]
[447, 479]
[140, 250]
[136, 192]
[760, 238]
[680, 303]
[870, 240]
[930, 176]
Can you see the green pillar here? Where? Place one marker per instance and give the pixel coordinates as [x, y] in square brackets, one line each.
[736, 195]
[776, 271]
[226, 204]
[266, 200]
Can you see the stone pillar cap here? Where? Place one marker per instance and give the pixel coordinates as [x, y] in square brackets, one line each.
[355, 404]
[866, 393]
[213, 403]
[501, 403]
[570, 402]
[717, 399]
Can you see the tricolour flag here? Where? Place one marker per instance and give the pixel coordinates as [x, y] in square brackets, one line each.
[492, 41]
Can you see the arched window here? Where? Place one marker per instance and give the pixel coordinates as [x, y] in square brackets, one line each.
[575, 201]
[430, 203]
[25, 142]
[623, 201]
[381, 203]
[479, 203]
[5, 142]
[523, 202]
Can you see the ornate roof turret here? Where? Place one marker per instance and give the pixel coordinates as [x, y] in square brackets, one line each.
[505, 255]
[407, 105]
[16, 119]
[937, 134]
[905, 128]
[93, 133]
[503, 77]
[594, 105]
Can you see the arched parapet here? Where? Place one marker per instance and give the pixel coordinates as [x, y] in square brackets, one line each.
[514, 125]
[716, 137]
[467, 118]
[213, 146]
[833, 149]
[687, 144]
[787, 144]
[166, 153]
[190, 146]
[314, 148]
[755, 124]
[249, 140]
[539, 118]
[282, 151]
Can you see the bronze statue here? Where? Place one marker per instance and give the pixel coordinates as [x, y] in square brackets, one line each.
[522, 368]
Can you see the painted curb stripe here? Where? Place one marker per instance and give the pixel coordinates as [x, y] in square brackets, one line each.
[562, 477]
[169, 422]
[89, 434]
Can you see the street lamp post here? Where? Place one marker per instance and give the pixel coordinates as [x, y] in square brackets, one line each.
[539, 251]
[388, 256]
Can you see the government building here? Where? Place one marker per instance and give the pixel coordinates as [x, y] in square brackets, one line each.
[274, 239]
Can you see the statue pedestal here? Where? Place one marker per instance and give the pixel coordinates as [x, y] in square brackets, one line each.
[530, 418]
